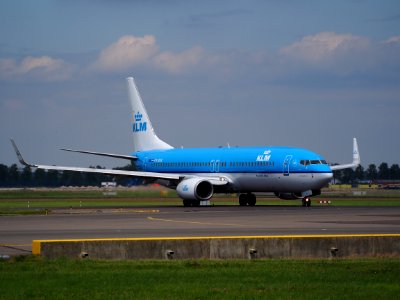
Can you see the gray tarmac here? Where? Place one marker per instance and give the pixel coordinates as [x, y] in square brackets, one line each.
[17, 232]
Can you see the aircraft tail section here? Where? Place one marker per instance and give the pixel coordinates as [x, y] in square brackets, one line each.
[144, 137]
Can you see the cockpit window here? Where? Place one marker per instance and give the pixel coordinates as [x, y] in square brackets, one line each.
[305, 162]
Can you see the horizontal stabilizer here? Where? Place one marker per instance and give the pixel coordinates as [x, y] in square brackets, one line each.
[130, 157]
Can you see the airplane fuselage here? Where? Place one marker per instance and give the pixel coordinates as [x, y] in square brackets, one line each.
[248, 169]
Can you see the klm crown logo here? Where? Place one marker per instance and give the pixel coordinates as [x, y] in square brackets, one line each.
[139, 126]
[138, 117]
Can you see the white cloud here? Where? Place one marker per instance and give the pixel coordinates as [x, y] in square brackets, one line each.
[179, 62]
[324, 46]
[128, 51]
[393, 40]
[42, 68]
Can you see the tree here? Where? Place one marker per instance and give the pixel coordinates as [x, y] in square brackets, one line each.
[26, 177]
[52, 178]
[76, 179]
[348, 175]
[13, 175]
[372, 173]
[94, 179]
[359, 173]
[394, 172]
[383, 172]
[39, 177]
[3, 175]
[338, 176]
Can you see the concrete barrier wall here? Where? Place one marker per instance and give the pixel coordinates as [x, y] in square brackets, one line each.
[306, 246]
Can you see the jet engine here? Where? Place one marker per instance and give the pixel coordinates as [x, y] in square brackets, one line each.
[195, 189]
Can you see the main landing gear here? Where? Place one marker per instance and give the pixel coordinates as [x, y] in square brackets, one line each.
[191, 203]
[247, 199]
[306, 202]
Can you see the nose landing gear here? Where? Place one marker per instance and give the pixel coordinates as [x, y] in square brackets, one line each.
[306, 202]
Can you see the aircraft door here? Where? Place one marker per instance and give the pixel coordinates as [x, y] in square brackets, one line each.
[215, 166]
[286, 165]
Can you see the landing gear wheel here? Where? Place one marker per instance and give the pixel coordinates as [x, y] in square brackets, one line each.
[251, 199]
[306, 202]
[247, 199]
[242, 199]
[187, 203]
[195, 203]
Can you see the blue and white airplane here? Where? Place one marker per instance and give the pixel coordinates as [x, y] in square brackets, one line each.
[199, 173]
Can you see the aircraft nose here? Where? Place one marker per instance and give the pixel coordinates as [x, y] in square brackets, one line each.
[325, 178]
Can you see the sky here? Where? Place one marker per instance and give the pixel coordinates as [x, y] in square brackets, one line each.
[311, 74]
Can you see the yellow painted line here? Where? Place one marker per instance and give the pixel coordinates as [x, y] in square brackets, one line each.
[138, 210]
[193, 222]
[6, 245]
[222, 237]
[36, 247]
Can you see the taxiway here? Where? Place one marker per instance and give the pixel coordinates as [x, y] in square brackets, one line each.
[17, 232]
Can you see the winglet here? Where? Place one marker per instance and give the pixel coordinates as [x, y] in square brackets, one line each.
[356, 154]
[356, 159]
[19, 155]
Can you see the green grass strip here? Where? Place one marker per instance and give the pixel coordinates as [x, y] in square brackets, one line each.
[35, 278]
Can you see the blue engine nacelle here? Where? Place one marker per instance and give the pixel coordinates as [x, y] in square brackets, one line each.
[195, 189]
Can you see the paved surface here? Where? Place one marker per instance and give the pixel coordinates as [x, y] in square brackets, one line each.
[17, 232]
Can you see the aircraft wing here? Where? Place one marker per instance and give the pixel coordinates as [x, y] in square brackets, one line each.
[112, 172]
[217, 180]
[93, 170]
[356, 159]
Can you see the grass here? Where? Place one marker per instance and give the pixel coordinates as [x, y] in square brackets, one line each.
[84, 194]
[36, 278]
[38, 201]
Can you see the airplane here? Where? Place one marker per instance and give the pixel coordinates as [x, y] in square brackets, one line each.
[198, 173]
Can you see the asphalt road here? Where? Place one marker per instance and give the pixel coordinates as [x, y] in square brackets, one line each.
[17, 232]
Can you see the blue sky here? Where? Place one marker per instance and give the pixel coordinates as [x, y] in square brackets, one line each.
[308, 74]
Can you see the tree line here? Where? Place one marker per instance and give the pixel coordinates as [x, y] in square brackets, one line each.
[372, 174]
[12, 176]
